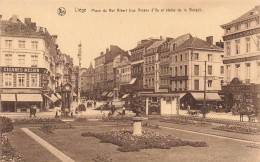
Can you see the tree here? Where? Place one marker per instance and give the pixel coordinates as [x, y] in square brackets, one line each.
[136, 104]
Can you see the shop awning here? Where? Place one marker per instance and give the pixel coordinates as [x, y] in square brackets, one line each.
[159, 95]
[29, 97]
[110, 94]
[209, 96]
[125, 95]
[104, 93]
[182, 94]
[58, 95]
[133, 81]
[53, 98]
[213, 97]
[8, 97]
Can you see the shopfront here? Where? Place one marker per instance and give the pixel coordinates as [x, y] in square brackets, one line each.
[242, 95]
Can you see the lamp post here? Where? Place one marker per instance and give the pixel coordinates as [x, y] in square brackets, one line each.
[79, 76]
[204, 101]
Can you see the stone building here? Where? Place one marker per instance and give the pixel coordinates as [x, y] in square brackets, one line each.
[242, 60]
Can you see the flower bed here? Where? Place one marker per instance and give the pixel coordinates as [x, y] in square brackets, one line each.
[81, 119]
[8, 152]
[186, 120]
[6, 124]
[117, 118]
[130, 143]
[238, 129]
[37, 121]
[47, 128]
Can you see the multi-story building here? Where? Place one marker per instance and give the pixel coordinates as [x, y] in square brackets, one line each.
[242, 59]
[87, 82]
[99, 74]
[151, 67]
[137, 62]
[123, 74]
[27, 63]
[164, 66]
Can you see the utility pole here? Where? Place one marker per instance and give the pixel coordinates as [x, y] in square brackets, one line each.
[204, 102]
[79, 75]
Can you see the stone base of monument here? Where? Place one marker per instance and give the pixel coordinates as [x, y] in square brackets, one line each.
[137, 126]
[117, 103]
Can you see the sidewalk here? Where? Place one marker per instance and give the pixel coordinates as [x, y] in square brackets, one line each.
[215, 115]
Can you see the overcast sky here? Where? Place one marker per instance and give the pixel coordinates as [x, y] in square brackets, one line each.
[98, 30]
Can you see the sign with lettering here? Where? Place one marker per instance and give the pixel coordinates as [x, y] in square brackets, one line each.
[241, 34]
[237, 88]
[23, 70]
[241, 59]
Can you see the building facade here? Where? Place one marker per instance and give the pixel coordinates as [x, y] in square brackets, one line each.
[242, 60]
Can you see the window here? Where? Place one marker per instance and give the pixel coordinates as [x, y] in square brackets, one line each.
[237, 46]
[247, 70]
[247, 44]
[34, 80]
[8, 80]
[238, 27]
[209, 57]
[21, 44]
[146, 60]
[221, 82]
[228, 49]
[146, 69]
[152, 58]
[186, 56]
[196, 84]
[247, 25]
[21, 80]
[180, 70]
[209, 83]
[258, 43]
[152, 68]
[8, 59]
[176, 58]
[222, 56]
[210, 70]
[34, 60]
[258, 70]
[238, 71]
[221, 70]
[34, 45]
[21, 60]
[228, 71]
[154, 99]
[196, 56]
[8, 43]
[186, 70]
[181, 57]
[176, 71]
[149, 59]
[196, 69]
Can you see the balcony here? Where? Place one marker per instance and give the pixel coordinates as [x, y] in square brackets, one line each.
[177, 78]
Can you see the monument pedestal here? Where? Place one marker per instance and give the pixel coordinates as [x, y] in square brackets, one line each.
[137, 126]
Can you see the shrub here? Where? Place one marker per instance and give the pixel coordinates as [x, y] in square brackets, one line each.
[6, 124]
[47, 128]
[8, 152]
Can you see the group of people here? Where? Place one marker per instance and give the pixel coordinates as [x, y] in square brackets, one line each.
[240, 109]
[66, 113]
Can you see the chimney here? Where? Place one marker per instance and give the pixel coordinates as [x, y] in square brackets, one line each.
[101, 53]
[27, 21]
[107, 50]
[54, 38]
[160, 37]
[14, 19]
[209, 39]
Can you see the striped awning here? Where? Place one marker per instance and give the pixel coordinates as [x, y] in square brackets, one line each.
[125, 95]
[53, 98]
[104, 93]
[133, 81]
[58, 95]
[110, 94]
[74, 94]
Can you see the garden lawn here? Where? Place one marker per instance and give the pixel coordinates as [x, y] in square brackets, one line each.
[79, 148]
[28, 148]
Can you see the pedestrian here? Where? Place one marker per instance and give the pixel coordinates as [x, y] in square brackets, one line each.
[123, 111]
[95, 103]
[220, 108]
[188, 109]
[66, 112]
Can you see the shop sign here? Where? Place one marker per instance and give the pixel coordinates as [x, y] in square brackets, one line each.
[252, 58]
[13, 90]
[23, 70]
